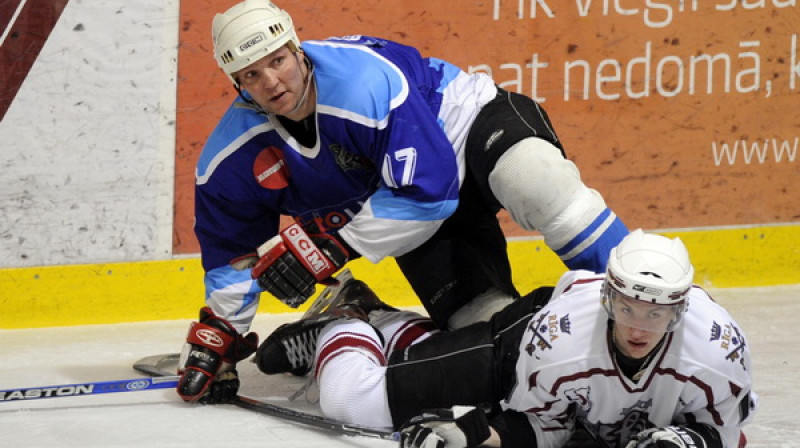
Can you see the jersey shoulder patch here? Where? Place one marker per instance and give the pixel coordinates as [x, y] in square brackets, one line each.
[722, 345]
[560, 330]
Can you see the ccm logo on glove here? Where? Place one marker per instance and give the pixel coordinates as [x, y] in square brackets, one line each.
[291, 263]
[316, 261]
[295, 240]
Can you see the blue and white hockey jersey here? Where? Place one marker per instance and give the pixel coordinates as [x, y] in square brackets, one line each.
[384, 172]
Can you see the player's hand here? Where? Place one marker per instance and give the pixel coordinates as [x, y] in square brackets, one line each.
[224, 386]
[207, 364]
[456, 427]
[293, 262]
[668, 437]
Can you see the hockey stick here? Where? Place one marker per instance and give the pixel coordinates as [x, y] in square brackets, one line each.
[100, 387]
[156, 365]
[316, 421]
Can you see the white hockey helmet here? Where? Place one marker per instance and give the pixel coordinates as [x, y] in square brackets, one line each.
[652, 269]
[248, 31]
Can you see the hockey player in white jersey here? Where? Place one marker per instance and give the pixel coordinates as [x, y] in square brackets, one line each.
[638, 358]
[375, 151]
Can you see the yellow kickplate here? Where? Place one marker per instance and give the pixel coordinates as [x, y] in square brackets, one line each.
[173, 289]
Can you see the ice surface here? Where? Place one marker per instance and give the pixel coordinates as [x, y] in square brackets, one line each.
[158, 418]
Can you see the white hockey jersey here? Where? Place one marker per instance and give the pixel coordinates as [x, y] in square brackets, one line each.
[567, 373]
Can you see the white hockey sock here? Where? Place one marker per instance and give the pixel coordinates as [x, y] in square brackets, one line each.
[345, 338]
[401, 329]
[350, 371]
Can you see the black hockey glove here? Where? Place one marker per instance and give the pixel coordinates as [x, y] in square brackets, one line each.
[207, 364]
[293, 262]
[224, 387]
[456, 427]
[668, 437]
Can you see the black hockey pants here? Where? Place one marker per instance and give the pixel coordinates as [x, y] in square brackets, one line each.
[468, 255]
[474, 365]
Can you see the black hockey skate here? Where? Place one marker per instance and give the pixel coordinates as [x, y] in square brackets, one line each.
[291, 347]
[349, 293]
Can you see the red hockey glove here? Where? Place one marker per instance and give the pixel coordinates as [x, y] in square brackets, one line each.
[213, 347]
[293, 262]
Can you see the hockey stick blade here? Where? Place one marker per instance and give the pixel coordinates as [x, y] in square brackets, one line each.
[80, 389]
[157, 366]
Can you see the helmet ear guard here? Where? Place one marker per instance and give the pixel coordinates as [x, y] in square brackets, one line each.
[651, 269]
[248, 31]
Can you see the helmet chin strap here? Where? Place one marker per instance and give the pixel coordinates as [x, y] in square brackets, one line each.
[309, 80]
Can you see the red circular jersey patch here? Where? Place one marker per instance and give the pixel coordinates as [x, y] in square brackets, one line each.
[270, 169]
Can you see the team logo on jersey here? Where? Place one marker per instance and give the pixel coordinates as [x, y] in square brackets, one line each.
[565, 324]
[347, 160]
[634, 420]
[631, 421]
[330, 220]
[270, 169]
[545, 331]
[580, 396]
[731, 340]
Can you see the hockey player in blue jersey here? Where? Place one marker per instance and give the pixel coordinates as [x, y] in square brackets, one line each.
[376, 152]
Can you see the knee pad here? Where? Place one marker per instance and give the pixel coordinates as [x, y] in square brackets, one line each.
[543, 191]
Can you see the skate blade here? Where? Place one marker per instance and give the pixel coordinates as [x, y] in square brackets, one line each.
[328, 297]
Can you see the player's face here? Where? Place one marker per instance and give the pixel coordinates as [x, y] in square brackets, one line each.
[639, 326]
[276, 82]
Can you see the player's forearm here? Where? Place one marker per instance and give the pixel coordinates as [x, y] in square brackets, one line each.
[233, 295]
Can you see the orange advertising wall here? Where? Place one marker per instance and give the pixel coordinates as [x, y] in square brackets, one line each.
[682, 113]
